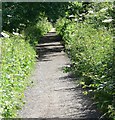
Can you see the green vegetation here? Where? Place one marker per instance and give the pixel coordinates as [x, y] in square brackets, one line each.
[89, 44]
[87, 30]
[19, 15]
[33, 33]
[18, 54]
[18, 58]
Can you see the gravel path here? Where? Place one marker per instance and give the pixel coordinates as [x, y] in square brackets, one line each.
[55, 94]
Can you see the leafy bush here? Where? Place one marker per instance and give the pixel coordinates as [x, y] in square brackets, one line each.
[60, 25]
[33, 33]
[91, 52]
[100, 14]
[18, 59]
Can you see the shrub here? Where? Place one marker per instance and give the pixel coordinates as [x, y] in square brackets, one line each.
[61, 24]
[91, 52]
[18, 59]
[33, 33]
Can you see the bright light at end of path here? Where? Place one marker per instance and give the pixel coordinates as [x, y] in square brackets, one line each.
[53, 30]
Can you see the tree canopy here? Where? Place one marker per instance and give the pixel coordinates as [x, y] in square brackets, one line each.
[20, 15]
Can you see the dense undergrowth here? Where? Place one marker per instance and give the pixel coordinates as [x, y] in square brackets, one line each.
[18, 58]
[34, 32]
[17, 62]
[90, 48]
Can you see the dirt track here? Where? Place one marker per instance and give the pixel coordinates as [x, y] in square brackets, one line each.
[55, 94]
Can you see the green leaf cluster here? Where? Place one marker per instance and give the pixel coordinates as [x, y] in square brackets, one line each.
[17, 16]
[34, 32]
[90, 48]
[17, 61]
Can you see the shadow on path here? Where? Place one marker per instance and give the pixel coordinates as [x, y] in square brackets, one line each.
[48, 45]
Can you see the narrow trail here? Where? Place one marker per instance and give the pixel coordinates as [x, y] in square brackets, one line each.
[55, 94]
